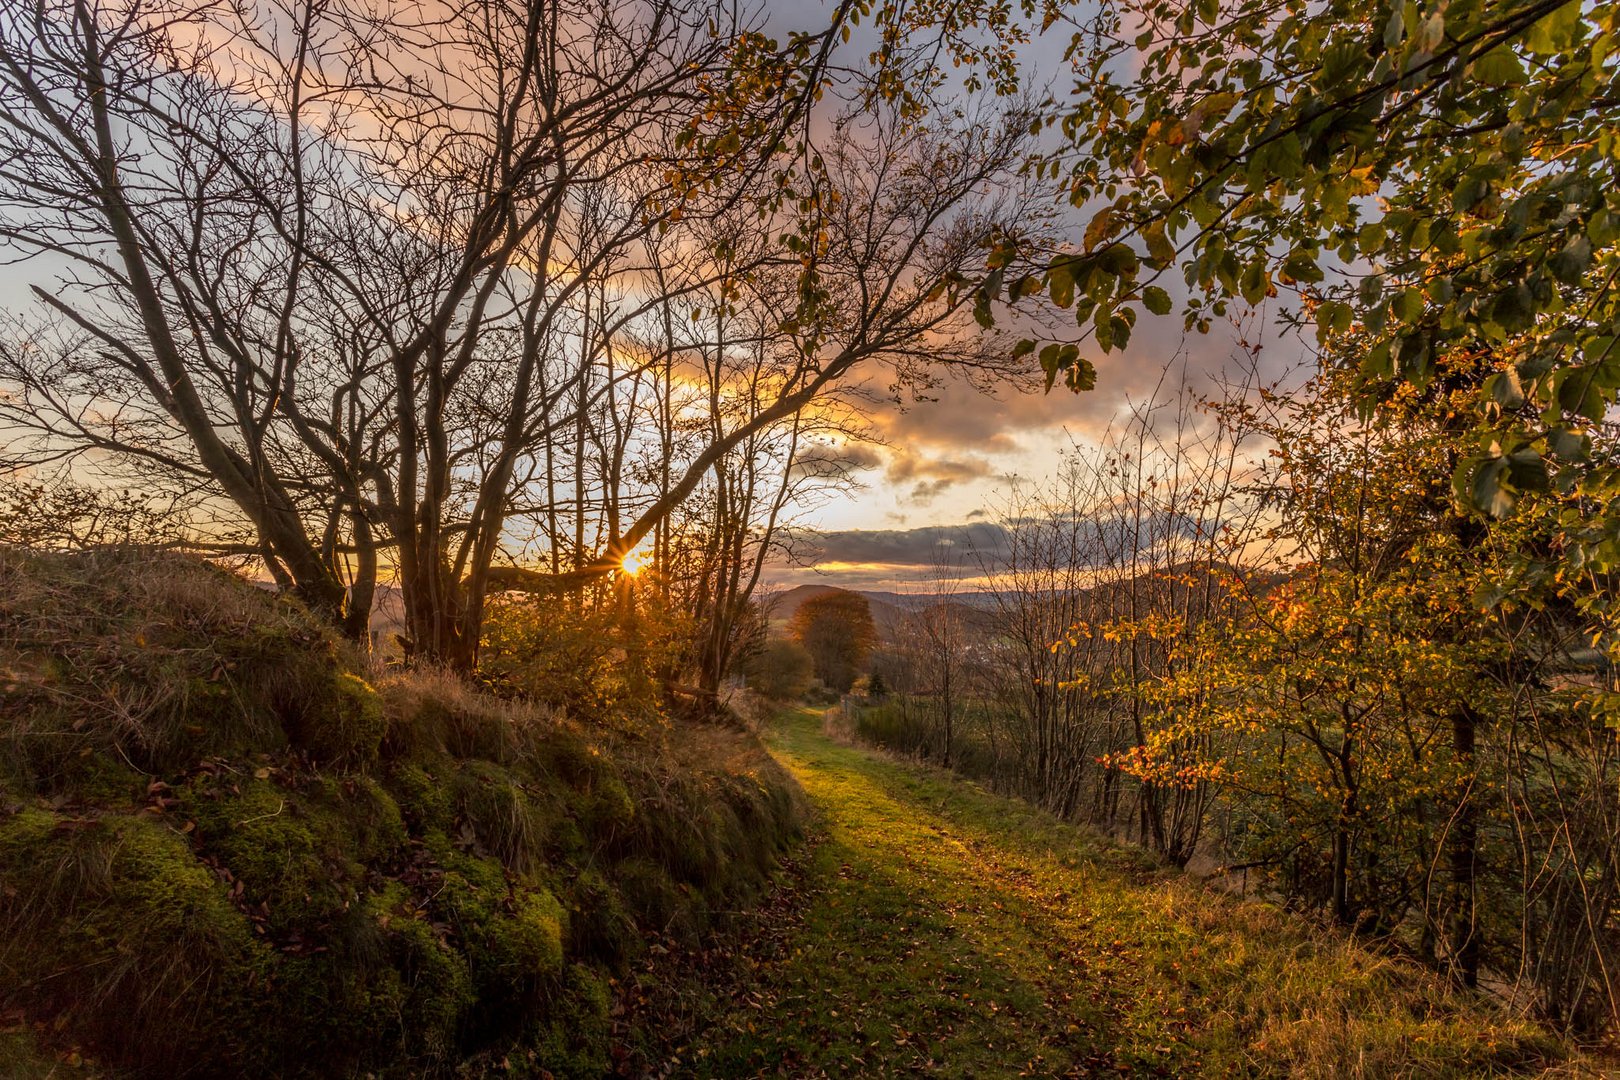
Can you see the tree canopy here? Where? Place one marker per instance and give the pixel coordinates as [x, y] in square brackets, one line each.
[1439, 179]
[836, 629]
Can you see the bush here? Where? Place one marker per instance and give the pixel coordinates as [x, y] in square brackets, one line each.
[594, 663]
[781, 671]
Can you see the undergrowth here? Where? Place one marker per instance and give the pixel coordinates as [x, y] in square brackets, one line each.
[227, 849]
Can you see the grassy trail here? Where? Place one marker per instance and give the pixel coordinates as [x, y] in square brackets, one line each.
[941, 930]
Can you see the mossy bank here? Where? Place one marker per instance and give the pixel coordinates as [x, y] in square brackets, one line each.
[228, 849]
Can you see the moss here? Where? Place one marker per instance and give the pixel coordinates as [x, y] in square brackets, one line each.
[653, 898]
[92, 778]
[369, 814]
[438, 985]
[117, 931]
[567, 840]
[601, 928]
[513, 932]
[422, 794]
[512, 935]
[566, 755]
[341, 724]
[494, 805]
[575, 1039]
[293, 855]
[608, 808]
[528, 943]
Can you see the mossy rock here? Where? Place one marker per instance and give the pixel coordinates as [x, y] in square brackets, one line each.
[291, 853]
[601, 928]
[607, 809]
[575, 1039]
[568, 756]
[437, 980]
[340, 724]
[422, 792]
[654, 899]
[91, 777]
[117, 931]
[371, 815]
[495, 806]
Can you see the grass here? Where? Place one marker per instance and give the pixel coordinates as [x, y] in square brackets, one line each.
[943, 930]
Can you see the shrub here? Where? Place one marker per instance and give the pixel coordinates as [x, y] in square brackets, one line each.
[781, 671]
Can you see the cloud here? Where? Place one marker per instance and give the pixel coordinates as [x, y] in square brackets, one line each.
[833, 460]
[903, 548]
[907, 465]
[974, 551]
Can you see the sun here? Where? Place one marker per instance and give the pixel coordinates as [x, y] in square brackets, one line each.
[635, 560]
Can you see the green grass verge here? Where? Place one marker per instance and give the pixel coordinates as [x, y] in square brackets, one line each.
[945, 930]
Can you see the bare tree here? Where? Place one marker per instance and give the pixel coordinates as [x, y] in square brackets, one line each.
[937, 642]
[376, 282]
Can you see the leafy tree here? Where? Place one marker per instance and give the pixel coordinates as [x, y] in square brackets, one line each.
[1443, 178]
[836, 629]
[781, 670]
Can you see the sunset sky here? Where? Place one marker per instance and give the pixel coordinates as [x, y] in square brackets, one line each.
[946, 464]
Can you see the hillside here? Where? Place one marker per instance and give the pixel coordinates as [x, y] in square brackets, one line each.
[890, 611]
[886, 617]
[229, 849]
[226, 848]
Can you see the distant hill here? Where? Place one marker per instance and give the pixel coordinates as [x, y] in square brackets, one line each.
[978, 599]
[890, 610]
[886, 617]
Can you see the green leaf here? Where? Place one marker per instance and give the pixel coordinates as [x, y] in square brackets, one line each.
[1570, 264]
[1503, 388]
[1526, 470]
[1555, 32]
[1499, 67]
[1160, 249]
[1579, 393]
[1568, 445]
[1049, 363]
[1156, 300]
[1254, 282]
[1301, 266]
[1081, 375]
[1489, 492]
[1100, 229]
[1060, 282]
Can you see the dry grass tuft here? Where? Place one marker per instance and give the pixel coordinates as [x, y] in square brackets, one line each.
[155, 659]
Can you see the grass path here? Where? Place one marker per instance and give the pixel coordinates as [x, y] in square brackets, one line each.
[941, 930]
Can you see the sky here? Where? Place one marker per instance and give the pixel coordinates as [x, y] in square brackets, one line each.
[944, 465]
[938, 466]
